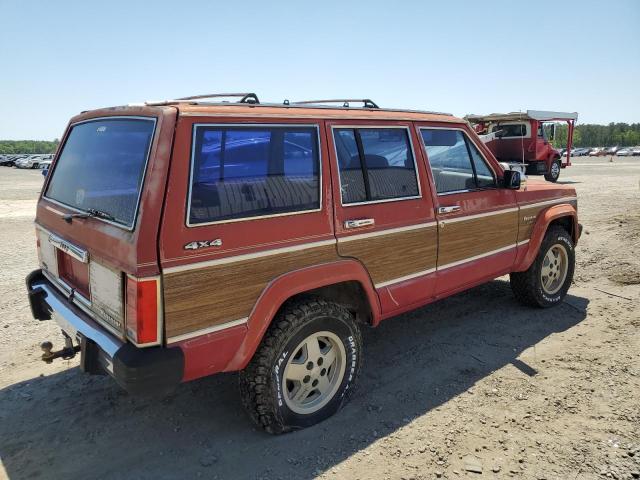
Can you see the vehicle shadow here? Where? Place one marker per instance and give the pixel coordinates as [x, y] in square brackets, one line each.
[74, 426]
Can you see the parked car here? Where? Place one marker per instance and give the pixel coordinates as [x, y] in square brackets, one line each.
[28, 162]
[6, 160]
[181, 239]
[595, 152]
[612, 150]
[635, 151]
[581, 152]
[625, 152]
[45, 164]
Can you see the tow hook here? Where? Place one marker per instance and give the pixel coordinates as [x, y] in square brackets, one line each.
[68, 352]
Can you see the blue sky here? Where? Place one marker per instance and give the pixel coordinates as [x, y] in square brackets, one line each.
[58, 58]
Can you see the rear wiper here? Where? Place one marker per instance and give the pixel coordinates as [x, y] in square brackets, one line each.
[91, 212]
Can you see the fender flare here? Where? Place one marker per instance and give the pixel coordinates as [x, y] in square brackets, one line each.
[542, 225]
[280, 289]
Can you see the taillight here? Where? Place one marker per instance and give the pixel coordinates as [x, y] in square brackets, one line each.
[143, 317]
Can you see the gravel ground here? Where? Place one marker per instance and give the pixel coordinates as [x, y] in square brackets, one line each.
[475, 386]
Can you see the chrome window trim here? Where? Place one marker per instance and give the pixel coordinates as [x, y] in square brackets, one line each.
[488, 164]
[250, 125]
[376, 127]
[144, 174]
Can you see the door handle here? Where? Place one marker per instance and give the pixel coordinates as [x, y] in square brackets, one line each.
[451, 209]
[359, 223]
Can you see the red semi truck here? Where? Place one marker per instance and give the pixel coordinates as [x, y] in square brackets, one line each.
[520, 137]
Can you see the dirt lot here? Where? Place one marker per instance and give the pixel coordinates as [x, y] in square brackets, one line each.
[475, 382]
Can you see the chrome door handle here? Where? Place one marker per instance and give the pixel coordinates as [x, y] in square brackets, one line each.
[452, 209]
[359, 223]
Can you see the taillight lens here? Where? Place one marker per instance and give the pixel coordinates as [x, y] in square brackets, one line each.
[143, 310]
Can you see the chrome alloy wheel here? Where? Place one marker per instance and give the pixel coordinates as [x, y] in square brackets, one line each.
[554, 269]
[314, 372]
[555, 169]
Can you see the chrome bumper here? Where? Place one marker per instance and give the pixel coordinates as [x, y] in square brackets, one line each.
[75, 323]
[148, 371]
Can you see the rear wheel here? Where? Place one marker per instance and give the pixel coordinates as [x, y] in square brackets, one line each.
[548, 279]
[554, 172]
[306, 367]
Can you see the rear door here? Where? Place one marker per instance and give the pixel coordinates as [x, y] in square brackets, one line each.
[248, 200]
[477, 220]
[383, 212]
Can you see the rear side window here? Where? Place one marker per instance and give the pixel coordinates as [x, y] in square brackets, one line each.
[241, 172]
[376, 164]
[455, 161]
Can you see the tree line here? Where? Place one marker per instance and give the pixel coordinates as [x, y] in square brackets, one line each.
[590, 135]
[584, 135]
[28, 146]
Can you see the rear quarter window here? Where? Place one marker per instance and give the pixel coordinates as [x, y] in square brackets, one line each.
[243, 172]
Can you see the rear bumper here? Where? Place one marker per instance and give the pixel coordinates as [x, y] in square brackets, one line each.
[149, 371]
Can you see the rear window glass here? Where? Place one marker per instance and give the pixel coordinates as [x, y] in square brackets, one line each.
[241, 172]
[375, 164]
[101, 167]
[512, 130]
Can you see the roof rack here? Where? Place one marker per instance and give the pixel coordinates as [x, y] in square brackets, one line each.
[366, 102]
[244, 97]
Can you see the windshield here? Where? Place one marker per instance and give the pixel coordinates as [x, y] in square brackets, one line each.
[102, 165]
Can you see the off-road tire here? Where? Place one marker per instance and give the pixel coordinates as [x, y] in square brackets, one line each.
[527, 285]
[261, 381]
[554, 173]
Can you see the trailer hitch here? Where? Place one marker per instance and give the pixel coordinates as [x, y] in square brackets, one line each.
[68, 352]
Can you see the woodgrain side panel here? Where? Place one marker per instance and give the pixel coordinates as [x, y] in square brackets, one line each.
[395, 255]
[527, 219]
[205, 297]
[468, 238]
[529, 215]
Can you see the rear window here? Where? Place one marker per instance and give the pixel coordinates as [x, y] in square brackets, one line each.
[101, 167]
[242, 172]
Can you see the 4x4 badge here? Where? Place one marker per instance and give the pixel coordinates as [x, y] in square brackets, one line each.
[203, 244]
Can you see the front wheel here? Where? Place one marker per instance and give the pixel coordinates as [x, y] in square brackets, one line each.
[554, 172]
[306, 367]
[548, 279]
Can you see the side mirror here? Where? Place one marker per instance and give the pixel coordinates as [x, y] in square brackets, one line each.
[45, 172]
[512, 179]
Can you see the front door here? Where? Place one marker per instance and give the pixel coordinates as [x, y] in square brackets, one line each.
[477, 220]
[384, 215]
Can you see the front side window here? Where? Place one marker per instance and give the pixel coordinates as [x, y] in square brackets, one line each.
[376, 164]
[102, 166]
[241, 172]
[455, 161]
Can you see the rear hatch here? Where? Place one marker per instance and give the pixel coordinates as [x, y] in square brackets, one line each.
[98, 216]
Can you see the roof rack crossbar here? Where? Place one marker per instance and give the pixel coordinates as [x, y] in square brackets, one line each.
[244, 97]
[366, 102]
